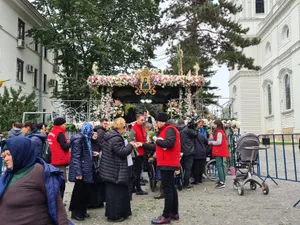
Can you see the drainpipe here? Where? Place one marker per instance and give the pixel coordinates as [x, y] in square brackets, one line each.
[41, 82]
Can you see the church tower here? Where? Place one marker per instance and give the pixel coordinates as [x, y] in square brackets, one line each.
[244, 85]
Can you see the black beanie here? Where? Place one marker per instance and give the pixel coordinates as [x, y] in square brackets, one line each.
[162, 117]
[59, 121]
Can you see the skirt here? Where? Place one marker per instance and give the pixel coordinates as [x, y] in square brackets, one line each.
[117, 201]
[97, 195]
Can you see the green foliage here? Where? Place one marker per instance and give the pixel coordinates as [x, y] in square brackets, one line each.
[13, 103]
[117, 34]
[206, 27]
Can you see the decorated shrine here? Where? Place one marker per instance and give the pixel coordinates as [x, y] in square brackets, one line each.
[148, 87]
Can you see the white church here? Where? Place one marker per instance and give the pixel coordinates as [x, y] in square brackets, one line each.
[267, 101]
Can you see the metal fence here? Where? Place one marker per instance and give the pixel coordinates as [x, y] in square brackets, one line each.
[281, 160]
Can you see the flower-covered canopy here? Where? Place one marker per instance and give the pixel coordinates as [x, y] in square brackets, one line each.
[155, 79]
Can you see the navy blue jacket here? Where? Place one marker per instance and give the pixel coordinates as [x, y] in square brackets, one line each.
[201, 144]
[54, 183]
[38, 141]
[81, 160]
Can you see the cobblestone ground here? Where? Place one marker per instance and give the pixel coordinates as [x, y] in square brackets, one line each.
[206, 205]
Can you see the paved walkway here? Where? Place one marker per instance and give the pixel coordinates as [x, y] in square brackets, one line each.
[206, 205]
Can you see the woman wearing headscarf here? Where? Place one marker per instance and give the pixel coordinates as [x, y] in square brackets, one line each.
[31, 191]
[114, 171]
[80, 171]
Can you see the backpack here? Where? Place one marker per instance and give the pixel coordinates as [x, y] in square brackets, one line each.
[46, 153]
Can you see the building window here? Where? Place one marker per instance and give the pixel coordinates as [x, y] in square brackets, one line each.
[45, 53]
[45, 82]
[285, 33]
[21, 29]
[268, 50]
[56, 87]
[36, 46]
[35, 78]
[20, 69]
[270, 99]
[287, 87]
[55, 58]
[260, 6]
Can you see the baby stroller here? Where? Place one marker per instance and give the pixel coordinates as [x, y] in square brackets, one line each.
[247, 158]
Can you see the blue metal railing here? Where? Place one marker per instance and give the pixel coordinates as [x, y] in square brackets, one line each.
[280, 159]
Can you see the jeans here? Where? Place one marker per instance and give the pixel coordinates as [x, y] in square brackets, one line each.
[157, 174]
[220, 168]
[171, 196]
[187, 165]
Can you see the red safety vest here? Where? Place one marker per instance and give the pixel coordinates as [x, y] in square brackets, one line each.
[221, 150]
[169, 157]
[140, 136]
[58, 155]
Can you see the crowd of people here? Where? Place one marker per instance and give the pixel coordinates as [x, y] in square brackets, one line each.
[105, 167]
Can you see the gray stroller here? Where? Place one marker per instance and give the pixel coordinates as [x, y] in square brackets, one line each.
[247, 159]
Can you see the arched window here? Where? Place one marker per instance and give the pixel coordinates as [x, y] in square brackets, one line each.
[260, 6]
[270, 99]
[285, 32]
[287, 87]
[268, 50]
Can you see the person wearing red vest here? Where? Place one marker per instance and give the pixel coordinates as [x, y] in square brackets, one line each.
[138, 134]
[59, 145]
[219, 151]
[168, 150]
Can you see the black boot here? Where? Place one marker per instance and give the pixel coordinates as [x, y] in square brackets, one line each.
[77, 217]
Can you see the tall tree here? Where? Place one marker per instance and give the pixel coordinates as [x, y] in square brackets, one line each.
[12, 106]
[209, 28]
[117, 34]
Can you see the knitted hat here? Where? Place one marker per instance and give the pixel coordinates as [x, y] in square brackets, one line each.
[59, 121]
[162, 117]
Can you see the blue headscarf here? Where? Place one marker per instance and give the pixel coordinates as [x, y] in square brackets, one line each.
[88, 132]
[23, 155]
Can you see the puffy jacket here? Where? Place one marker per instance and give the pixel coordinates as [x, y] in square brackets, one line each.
[113, 166]
[38, 140]
[81, 160]
[54, 183]
[201, 145]
[187, 139]
[14, 132]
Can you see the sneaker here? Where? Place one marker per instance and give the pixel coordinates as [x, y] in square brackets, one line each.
[220, 185]
[217, 183]
[174, 217]
[161, 220]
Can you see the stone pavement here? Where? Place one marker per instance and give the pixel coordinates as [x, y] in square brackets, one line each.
[206, 205]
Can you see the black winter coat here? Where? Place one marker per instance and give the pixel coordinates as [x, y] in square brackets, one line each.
[201, 145]
[81, 160]
[187, 139]
[113, 165]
